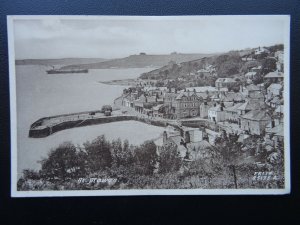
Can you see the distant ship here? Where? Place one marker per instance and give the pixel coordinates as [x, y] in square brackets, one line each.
[56, 71]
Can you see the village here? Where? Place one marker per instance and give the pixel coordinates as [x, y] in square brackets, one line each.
[234, 106]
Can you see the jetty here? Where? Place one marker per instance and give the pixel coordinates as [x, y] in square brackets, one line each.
[46, 126]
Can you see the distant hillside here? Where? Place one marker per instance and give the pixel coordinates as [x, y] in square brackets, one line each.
[64, 61]
[139, 61]
[228, 64]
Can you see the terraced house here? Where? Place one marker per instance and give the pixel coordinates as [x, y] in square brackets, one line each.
[255, 122]
[185, 104]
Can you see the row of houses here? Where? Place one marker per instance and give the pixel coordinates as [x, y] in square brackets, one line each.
[208, 104]
[250, 109]
[275, 76]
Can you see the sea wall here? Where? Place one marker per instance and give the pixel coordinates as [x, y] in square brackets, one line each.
[39, 132]
[202, 123]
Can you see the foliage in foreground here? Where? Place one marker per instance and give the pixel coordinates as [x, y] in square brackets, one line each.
[101, 164]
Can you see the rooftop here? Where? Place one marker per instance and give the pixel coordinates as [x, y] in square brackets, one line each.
[199, 145]
[202, 89]
[186, 94]
[249, 105]
[275, 86]
[176, 139]
[225, 80]
[274, 75]
[250, 74]
[203, 71]
[257, 115]
[158, 107]
[278, 130]
[216, 108]
[234, 107]
[253, 87]
[231, 96]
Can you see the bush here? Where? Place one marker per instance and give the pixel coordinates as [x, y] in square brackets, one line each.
[63, 163]
[121, 154]
[169, 159]
[146, 158]
[106, 108]
[98, 153]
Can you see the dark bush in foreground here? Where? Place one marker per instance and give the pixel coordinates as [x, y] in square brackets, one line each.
[102, 164]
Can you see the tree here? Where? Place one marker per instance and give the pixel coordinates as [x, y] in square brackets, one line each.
[229, 149]
[166, 73]
[228, 69]
[268, 65]
[258, 79]
[228, 65]
[169, 159]
[106, 108]
[160, 83]
[63, 163]
[276, 48]
[98, 153]
[146, 158]
[189, 65]
[248, 65]
[121, 154]
[30, 174]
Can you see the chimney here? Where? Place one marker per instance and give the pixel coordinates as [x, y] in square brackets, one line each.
[165, 137]
[183, 143]
[181, 131]
[222, 106]
[272, 124]
[187, 137]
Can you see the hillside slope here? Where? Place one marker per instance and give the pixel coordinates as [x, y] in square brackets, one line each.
[225, 65]
[139, 61]
[63, 61]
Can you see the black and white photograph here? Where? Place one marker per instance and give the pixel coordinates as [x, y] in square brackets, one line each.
[149, 105]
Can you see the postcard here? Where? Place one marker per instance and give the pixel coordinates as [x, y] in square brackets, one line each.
[149, 105]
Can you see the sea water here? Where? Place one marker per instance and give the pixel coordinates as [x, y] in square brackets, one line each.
[41, 95]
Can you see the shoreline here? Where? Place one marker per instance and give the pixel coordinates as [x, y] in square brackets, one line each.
[123, 82]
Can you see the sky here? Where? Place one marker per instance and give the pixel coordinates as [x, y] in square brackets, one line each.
[117, 37]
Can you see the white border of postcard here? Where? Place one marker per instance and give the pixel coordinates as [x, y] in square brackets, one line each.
[13, 116]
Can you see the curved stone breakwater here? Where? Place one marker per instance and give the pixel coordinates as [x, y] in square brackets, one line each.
[49, 125]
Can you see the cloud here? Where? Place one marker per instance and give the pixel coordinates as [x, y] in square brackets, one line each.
[57, 38]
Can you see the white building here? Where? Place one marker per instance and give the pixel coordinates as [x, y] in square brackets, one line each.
[274, 90]
[261, 50]
[250, 75]
[216, 114]
[224, 83]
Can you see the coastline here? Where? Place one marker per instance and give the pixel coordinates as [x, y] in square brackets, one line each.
[123, 82]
